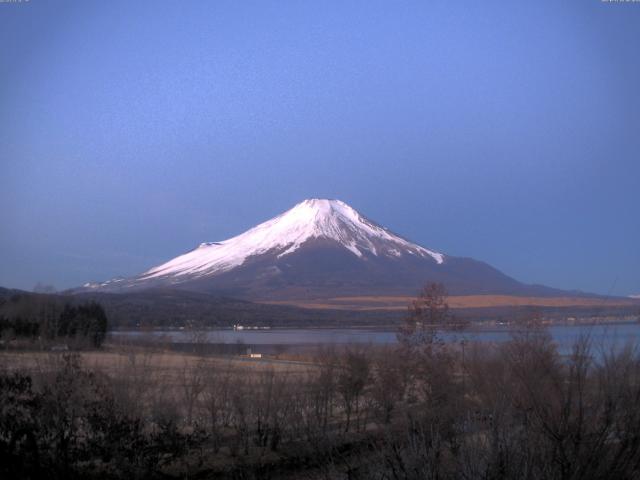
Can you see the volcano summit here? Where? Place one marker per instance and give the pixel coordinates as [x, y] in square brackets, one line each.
[319, 249]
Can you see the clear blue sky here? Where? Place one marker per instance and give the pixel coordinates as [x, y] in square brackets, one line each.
[505, 131]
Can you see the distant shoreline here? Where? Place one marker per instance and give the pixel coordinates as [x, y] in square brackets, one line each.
[480, 327]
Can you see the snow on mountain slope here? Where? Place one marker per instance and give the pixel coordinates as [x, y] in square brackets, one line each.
[318, 249]
[284, 234]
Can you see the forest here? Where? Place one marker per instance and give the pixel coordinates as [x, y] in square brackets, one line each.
[51, 320]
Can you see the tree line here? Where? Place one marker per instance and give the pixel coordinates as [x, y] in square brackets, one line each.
[52, 319]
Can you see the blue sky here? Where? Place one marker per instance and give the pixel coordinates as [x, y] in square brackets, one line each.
[504, 131]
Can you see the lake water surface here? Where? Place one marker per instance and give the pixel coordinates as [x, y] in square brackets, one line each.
[564, 335]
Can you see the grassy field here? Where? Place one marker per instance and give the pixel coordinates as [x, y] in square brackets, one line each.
[170, 365]
[393, 303]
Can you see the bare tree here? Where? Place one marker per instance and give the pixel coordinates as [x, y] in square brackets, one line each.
[352, 379]
[216, 400]
[192, 383]
[388, 382]
[427, 314]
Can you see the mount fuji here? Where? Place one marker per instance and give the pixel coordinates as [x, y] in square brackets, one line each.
[319, 249]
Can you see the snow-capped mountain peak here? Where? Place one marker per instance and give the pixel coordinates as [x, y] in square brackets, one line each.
[311, 219]
[319, 249]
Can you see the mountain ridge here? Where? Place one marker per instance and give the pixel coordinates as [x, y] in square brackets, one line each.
[320, 248]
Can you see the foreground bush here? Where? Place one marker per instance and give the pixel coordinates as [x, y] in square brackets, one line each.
[516, 410]
[73, 427]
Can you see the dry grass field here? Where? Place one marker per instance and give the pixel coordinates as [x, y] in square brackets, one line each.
[129, 361]
[461, 301]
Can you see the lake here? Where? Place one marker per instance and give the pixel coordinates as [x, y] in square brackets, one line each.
[606, 335]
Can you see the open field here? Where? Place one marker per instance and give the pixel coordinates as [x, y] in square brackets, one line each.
[394, 303]
[116, 361]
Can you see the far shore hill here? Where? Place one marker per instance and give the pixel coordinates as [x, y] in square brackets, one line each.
[174, 308]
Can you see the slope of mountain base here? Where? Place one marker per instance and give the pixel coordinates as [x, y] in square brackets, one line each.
[456, 302]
